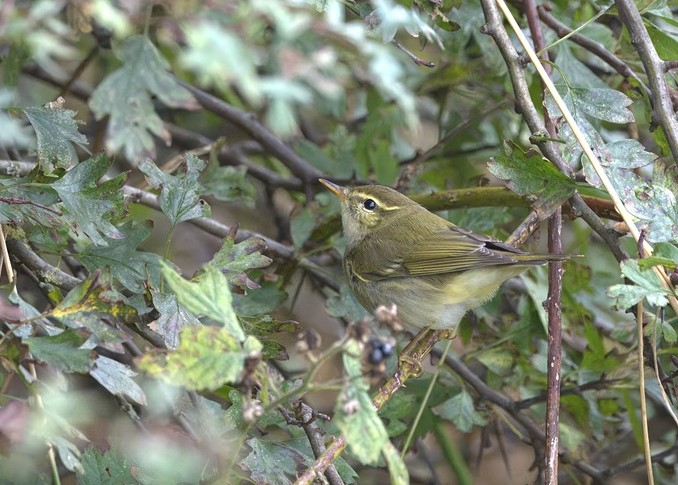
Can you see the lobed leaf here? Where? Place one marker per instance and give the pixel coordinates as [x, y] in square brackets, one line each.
[206, 359]
[63, 351]
[127, 265]
[90, 205]
[105, 468]
[461, 411]
[116, 378]
[208, 295]
[533, 176]
[234, 259]
[55, 130]
[179, 194]
[125, 96]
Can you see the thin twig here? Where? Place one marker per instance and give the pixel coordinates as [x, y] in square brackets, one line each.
[554, 299]
[590, 45]
[554, 353]
[307, 417]
[417, 60]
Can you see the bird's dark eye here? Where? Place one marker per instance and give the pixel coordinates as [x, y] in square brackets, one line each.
[370, 205]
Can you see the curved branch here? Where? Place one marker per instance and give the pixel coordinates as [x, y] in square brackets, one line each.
[42, 269]
[235, 155]
[246, 121]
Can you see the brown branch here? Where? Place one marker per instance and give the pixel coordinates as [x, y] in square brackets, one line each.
[307, 417]
[554, 299]
[554, 353]
[269, 141]
[235, 155]
[663, 112]
[22, 252]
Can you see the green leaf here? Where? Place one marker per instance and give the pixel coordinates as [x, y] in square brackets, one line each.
[234, 259]
[345, 305]
[179, 195]
[55, 129]
[206, 359]
[63, 351]
[93, 305]
[228, 184]
[497, 359]
[173, 318]
[355, 415]
[397, 470]
[647, 285]
[208, 295]
[302, 225]
[127, 265]
[533, 176]
[14, 132]
[665, 254]
[261, 300]
[105, 468]
[656, 203]
[596, 356]
[90, 206]
[219, 57]
[280, 462]
[68, 452]
[29, 199]
[666, 45]
[604, 104]
[126, 97]
[116, 378]
[628, 154]
[273, 461]
[28, 311]
[461, 411]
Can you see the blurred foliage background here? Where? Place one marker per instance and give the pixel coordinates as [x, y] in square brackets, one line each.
[173, 310]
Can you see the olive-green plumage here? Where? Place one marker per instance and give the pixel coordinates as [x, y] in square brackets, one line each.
[399, 252]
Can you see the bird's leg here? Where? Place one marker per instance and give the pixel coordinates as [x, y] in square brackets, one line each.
[409, 356]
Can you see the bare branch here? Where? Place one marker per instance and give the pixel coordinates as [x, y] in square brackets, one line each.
[246, 121]
[42, 269]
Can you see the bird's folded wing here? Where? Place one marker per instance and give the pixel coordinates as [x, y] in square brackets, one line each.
[449, 251]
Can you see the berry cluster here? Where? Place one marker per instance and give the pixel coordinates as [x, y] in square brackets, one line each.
[379, 350]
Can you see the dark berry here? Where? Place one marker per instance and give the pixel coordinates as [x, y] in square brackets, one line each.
[375, 356]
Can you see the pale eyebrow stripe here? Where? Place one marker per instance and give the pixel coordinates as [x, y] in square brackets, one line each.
[380, 204]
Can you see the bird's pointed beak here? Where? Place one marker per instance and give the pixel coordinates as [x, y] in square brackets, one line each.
[338, 190]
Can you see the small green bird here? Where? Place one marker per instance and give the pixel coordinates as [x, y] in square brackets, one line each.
[397, 252]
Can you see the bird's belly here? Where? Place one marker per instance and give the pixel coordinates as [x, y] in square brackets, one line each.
[438, 301]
